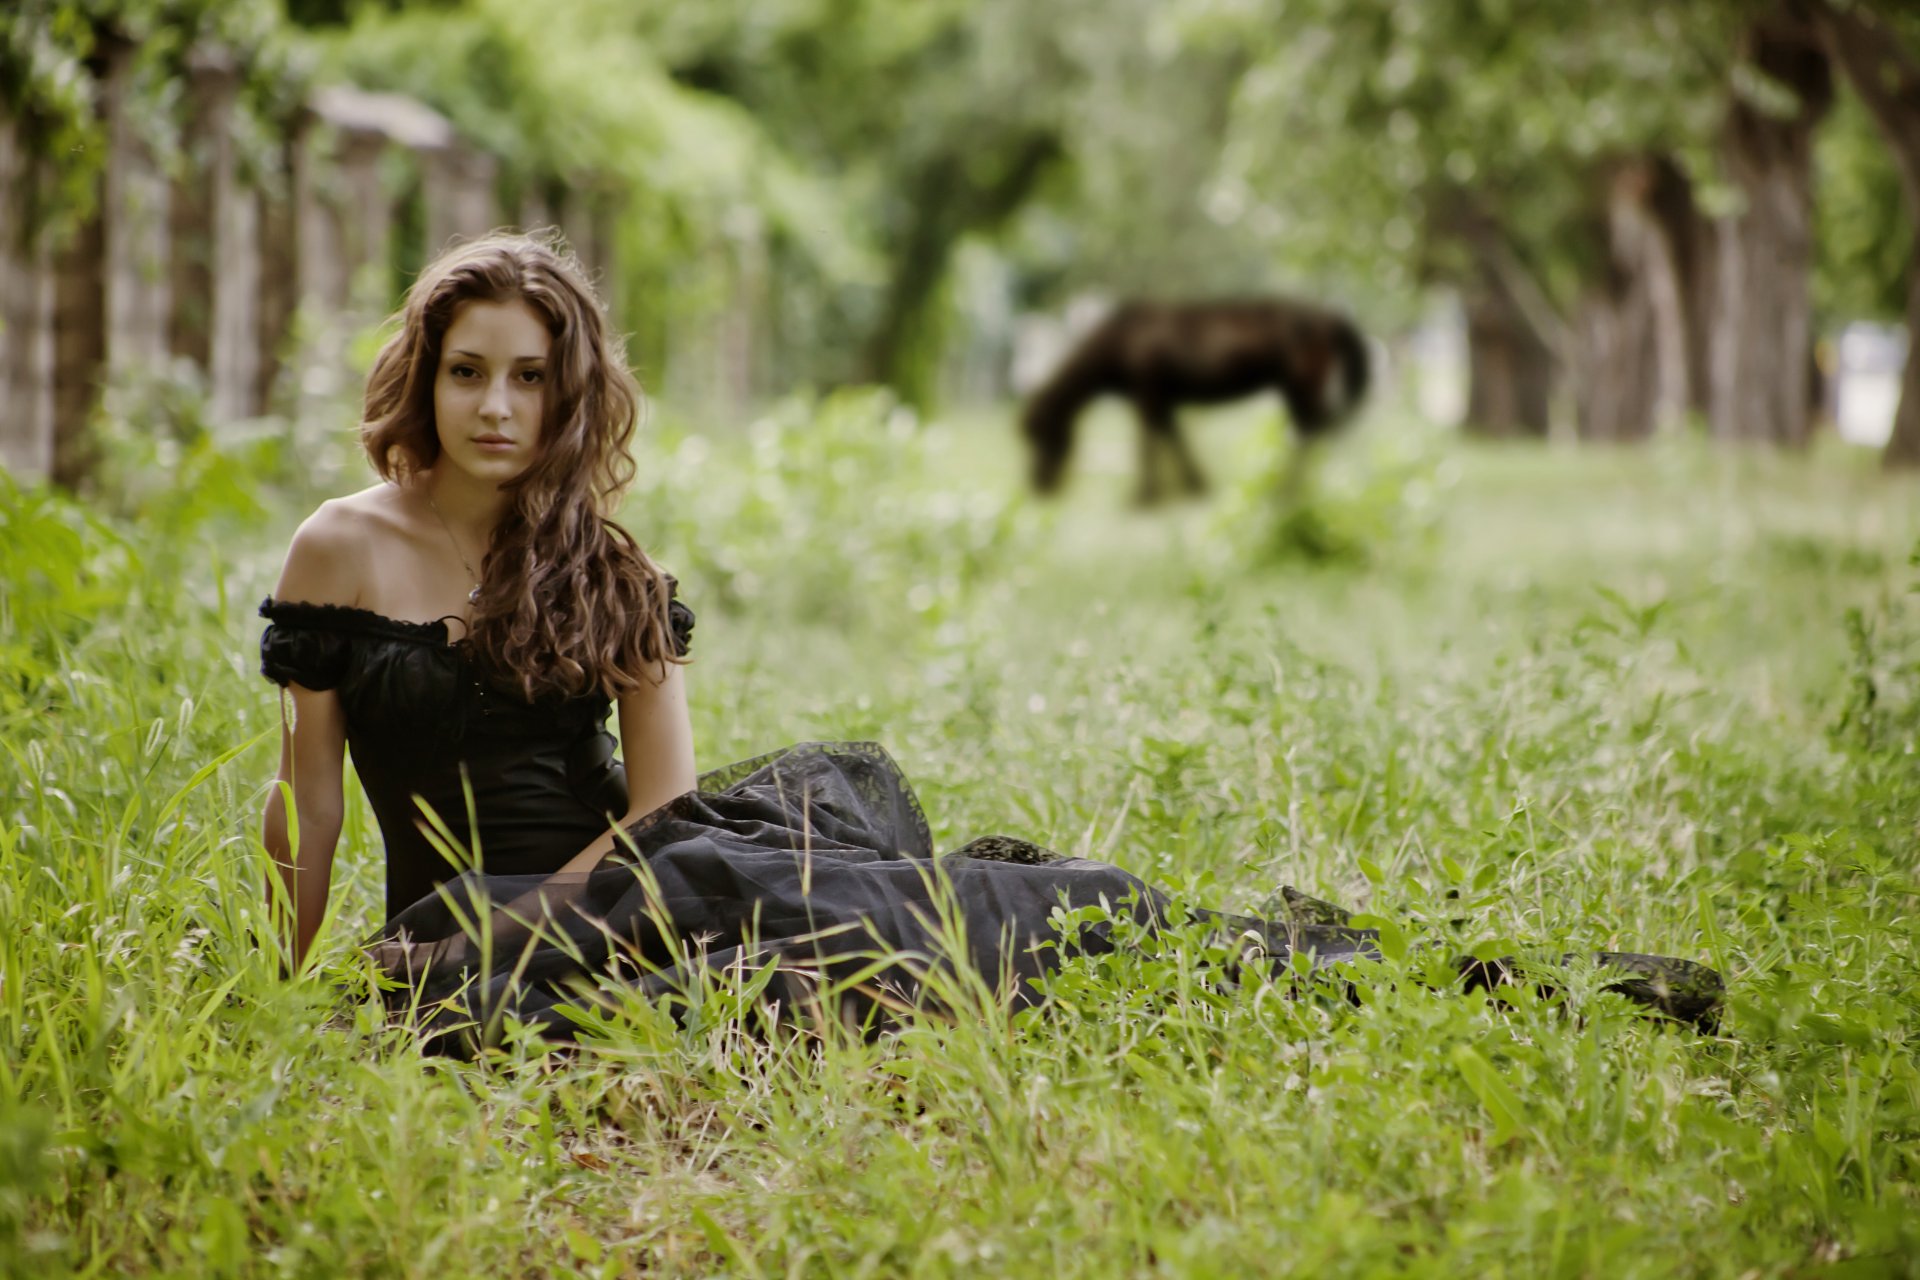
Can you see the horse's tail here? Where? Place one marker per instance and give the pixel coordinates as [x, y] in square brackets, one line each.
[1347, 377]
[1355, 362]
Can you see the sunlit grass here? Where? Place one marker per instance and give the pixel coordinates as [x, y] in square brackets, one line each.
[1573, 701]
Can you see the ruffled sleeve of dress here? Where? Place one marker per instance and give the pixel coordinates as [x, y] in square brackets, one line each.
[303, 644]
[679, 619]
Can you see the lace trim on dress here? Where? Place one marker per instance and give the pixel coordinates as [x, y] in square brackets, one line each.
[878, 786]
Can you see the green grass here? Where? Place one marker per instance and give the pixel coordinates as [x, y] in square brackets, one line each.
[1657, 700]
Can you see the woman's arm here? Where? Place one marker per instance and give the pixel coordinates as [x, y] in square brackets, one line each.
[656, 744]
[312, 751]
[319, 570]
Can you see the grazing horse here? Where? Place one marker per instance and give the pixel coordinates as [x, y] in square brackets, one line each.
[1161, 355]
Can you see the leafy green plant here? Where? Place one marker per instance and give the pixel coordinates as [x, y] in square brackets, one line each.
[1880, 710]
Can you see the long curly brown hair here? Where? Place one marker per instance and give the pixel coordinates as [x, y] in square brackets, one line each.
[569, 603]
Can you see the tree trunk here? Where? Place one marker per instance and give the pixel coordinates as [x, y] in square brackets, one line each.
[1903, 447]
[1632, 328]
[1688, 236]
[1509, 370]
[1614, 400]
[1510, 349]
[1764, 328]
[1887, 78]
[946, 203]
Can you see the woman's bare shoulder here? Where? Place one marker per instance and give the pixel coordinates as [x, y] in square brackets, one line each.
[332, 548]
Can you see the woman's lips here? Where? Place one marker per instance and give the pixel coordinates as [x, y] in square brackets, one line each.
[493, 444]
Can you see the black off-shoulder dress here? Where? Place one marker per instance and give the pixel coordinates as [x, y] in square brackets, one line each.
[817, 857]
[429, 737]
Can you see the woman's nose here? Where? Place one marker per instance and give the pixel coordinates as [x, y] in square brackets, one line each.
[497, 405]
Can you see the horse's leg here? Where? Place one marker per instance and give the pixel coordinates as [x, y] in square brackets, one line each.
[1294, 473]
[1190, 474]
[1154, 417]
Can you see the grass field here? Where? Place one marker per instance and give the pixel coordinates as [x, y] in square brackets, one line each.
[1661, 700]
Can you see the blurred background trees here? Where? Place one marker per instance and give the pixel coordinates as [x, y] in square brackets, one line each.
[1644, 218]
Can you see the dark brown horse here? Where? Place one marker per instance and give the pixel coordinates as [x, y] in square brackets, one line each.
[1162, 355]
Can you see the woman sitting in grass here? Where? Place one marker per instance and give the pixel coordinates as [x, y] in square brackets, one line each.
[466, 626]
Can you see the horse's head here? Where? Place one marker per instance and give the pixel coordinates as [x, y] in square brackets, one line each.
[1049, 433]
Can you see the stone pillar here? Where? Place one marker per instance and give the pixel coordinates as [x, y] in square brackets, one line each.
[589, 210]
[13, 277]
[79, 264]
[537, 211]
[574, 214]
[26, 314]
[458, 185]
[319, 229]
[368, 218]
[233, 371]
[607, 207]
[79, 344]
[136, 201]
[280, 265]
[203, 185]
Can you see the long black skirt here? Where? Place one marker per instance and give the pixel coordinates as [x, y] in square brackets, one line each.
[814, 869]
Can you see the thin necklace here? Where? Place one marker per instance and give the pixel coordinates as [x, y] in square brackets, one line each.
[473, 596]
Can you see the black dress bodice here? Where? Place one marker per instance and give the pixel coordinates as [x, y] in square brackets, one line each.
[519, 786]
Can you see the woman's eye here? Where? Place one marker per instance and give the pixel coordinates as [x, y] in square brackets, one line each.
[532, 375]
[465, 371]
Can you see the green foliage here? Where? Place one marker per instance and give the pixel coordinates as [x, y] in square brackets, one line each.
[1422, 121]
[1577, 704]
[886, 525]
[48, 93]
[572, 96]
[52, 51]
[61, 566]
[973, 97]
[1366, 498]
[1863, 234]
[792, 181]
[1880, 713]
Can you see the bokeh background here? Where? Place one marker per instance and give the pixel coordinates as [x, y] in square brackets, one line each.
[1557, 218]
[1594, 630]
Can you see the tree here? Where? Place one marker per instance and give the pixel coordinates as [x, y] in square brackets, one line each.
[1876, 52]
[1763, 333]
[938, 121]
[1515, 154]
[577, 106]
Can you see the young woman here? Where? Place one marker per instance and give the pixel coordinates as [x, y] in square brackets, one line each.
[467, 625]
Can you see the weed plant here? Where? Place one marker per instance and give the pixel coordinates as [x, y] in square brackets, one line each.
[1564, 702]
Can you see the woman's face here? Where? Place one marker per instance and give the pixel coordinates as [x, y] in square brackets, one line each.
[489, 392]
